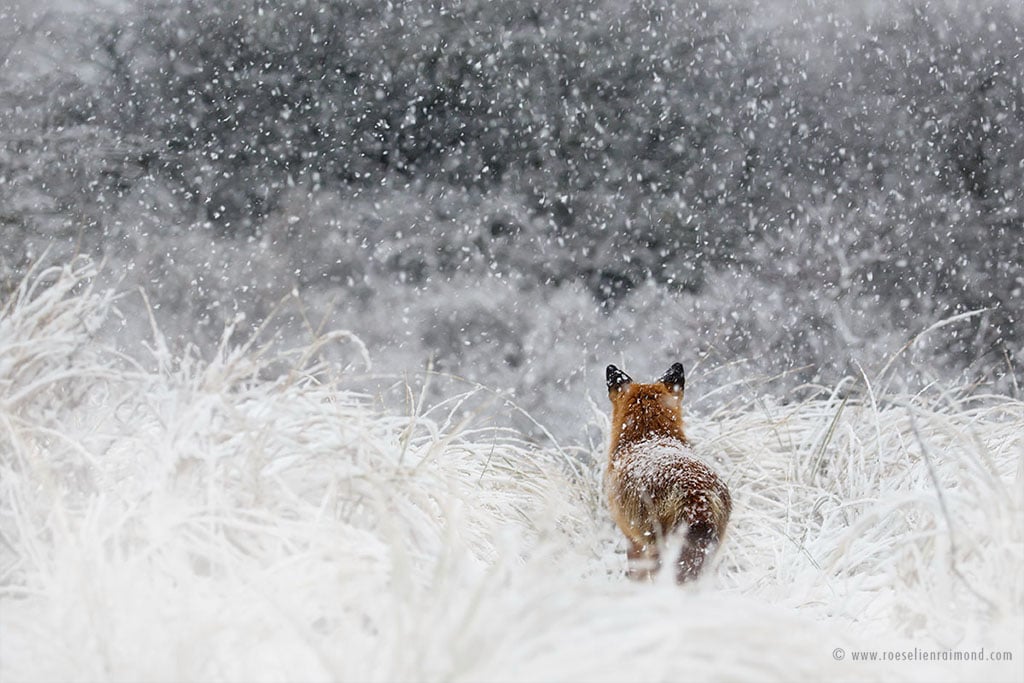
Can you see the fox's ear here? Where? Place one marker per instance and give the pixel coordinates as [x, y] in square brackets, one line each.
[616, 378]
[675, 378]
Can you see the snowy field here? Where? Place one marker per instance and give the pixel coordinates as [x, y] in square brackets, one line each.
[305, 309]
[250, 518]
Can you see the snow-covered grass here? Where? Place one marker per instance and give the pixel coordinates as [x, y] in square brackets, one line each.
[248, 518]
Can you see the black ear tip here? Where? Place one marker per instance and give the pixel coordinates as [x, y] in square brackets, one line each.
[616, 378]
[676, 375]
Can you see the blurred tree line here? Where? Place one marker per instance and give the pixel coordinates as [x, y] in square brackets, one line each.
[597, 142]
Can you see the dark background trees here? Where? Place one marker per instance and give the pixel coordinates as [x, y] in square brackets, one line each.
[851, 174]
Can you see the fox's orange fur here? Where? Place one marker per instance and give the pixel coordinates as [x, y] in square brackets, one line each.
[657, 489]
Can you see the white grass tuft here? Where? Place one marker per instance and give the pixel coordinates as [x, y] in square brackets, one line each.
[202, 522]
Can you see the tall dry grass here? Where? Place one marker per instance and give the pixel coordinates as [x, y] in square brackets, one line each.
[246, 517]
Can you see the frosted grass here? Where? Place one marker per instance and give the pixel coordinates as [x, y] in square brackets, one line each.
[208, 519]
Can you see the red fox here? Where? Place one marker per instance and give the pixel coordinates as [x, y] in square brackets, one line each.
[657, 489]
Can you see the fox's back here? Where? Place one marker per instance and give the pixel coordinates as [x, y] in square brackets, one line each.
[657, 484]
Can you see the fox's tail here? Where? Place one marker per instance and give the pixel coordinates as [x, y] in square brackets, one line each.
[701, 541]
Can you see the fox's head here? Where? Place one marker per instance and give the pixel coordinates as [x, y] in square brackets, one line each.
[646, 411]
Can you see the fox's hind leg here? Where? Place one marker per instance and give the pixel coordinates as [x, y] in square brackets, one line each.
[644, 560]
[701, 542]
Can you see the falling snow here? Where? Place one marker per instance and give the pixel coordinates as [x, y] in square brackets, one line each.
[810, 205]
[516, 194]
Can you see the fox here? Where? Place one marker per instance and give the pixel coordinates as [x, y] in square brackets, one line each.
[657, 489]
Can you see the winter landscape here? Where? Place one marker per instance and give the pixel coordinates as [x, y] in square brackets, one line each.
[305, 309]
